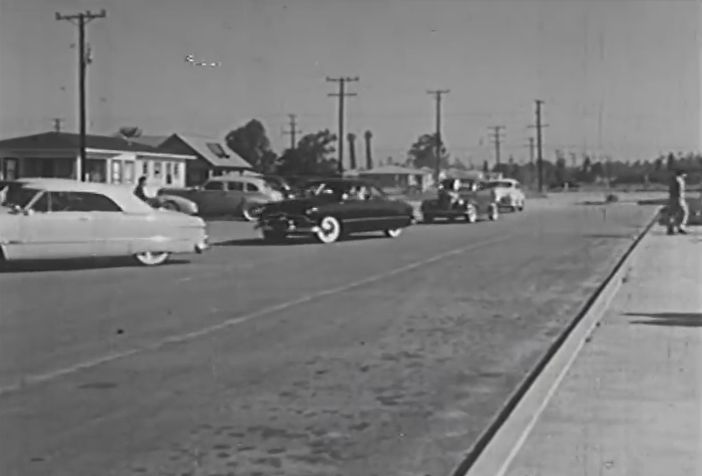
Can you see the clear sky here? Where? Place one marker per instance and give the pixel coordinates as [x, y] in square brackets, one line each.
[633, 63]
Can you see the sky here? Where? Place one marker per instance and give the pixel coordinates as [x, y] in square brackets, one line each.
[618, 77]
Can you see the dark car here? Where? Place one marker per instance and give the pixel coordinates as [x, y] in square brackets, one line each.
[331, 208]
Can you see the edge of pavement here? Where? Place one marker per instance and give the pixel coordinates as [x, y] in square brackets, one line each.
[501, 440]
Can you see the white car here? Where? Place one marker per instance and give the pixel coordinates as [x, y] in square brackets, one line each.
[44, 219]
[508, 193]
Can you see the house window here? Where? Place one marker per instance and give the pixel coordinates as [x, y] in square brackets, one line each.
[157, 170]
[116, 171]
[129, 172]
[145, 168]
[176, 170]
[217, 150]
[169, 173]
[9, 169]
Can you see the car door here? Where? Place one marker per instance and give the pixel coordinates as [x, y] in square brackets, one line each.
[212, 198]
[113, 231]
[51, 229]
[386, 213]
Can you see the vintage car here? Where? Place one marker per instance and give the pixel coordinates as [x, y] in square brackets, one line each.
[475, 202]
[43, 219]
[509, 193]
[232, 194]
[694, 205]
[329, 209]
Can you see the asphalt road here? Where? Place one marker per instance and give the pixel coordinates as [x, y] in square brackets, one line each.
[368, 357]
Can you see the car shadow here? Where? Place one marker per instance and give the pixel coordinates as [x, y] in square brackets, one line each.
[672, 319]
[293, 241]
[79, 265]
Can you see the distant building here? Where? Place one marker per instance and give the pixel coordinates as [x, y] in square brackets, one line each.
[398, 177]
[110, 159]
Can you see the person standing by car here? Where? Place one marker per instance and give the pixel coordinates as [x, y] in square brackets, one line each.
[677, 206]
[140, 189]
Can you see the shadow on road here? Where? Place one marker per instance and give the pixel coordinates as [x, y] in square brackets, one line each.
[673, 319]
[294, 241]
[78, 265]
[628, 236]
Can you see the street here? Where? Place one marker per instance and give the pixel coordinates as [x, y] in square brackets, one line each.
[371, 356]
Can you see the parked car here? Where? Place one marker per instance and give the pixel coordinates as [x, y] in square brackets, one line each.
[44, 219]
[229, 195]
[509, 193]
[473, 203]
[329, 209]
[695, 212]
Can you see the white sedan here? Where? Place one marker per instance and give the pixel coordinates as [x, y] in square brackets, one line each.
[43, 219]
[508, 193]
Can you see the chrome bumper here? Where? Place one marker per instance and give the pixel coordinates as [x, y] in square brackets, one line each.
[202, 246]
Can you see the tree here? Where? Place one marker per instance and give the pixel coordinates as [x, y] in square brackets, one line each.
[130, 132]
[253, 145]
[671, 162]
[311, 156]
[423, 152]
[561, 172]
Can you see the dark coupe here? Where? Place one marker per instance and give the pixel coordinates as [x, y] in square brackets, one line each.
[331, 208]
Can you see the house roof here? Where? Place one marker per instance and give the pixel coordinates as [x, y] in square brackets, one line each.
[392, 170]
[201, 145]
[151, 141]
[70, 141]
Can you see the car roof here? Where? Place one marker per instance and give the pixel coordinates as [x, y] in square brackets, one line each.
[120, 194]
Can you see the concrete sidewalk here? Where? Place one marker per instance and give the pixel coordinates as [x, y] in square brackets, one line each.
[631, 404]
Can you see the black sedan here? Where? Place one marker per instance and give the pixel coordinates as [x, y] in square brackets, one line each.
[331, 208]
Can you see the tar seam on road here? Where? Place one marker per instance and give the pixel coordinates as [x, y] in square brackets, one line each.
[180, 338]
[505, 412]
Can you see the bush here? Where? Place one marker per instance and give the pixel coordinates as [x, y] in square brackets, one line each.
[611, 198]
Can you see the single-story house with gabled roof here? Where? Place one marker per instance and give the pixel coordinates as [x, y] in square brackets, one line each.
[213, 157]
[109, 159]
[399, 177]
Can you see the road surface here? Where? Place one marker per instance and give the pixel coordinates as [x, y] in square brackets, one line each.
[371, 356]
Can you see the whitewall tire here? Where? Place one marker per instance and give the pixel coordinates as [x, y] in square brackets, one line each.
[471, 214]
[494, 213]
[148, 258]
[329, 230]
[393, 232]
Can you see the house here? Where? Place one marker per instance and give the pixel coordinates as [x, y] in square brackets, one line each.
[212, 156]
[398, 177]
[109, 159]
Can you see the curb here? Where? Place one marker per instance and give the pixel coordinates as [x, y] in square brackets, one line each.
[492, 453]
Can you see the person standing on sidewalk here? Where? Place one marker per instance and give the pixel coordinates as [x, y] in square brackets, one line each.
[677, 206]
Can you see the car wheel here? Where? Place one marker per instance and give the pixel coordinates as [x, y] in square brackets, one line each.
[494, 213]
[393, 232]
[152, 259]
[246, 213]
[170, 205]
[273, 236]
[329, 230]
[471, 214]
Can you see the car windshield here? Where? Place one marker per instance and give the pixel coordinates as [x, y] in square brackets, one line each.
[19, 195]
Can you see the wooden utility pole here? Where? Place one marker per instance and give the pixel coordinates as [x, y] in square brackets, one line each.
[293, 131]
[531, 151]
[438, 96]
[342, 94]
[496, 137]
[539, 143]
[81, 19]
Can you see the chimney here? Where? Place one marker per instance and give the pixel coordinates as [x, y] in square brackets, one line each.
[369, 157]
[352, 149]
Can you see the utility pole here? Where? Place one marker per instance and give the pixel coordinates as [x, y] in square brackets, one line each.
[539, 143]
[342, 94]
[437, 93]
[81, 19]
[496, 140]
[57, 124]
[293, 131]
[531, 151]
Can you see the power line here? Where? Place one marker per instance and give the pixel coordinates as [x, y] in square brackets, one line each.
[81, 19]
[293, 131]
[342, 94]
[539, 143]
[496, 137]
[437, 93]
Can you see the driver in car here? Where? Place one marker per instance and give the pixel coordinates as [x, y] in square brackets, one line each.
[448, 193]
